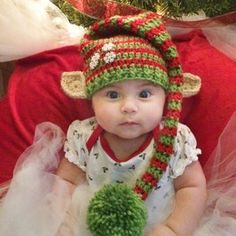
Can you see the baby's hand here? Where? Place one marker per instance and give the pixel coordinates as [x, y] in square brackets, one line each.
[161, 230]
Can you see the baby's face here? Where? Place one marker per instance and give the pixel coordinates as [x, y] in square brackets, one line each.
[129, 109]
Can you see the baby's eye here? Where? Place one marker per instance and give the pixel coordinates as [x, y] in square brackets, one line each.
[112, 94]
[145, 94]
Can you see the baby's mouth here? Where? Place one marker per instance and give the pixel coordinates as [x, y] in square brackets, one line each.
[129, 123]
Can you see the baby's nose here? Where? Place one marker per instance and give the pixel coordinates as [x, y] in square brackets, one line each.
[129, 105]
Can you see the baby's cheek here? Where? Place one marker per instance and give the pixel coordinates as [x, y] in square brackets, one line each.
[105, 116]
[153, 122]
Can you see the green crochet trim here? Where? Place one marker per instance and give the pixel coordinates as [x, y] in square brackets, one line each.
[158, 40]
[154, 75]
[175, 71]
[155, 172]
[175, 88]
[171, 53]
[174, 105]
[167, 140]
[162, 157]
[170, 122]
[147, 187]
[143, 29]
[151, 24]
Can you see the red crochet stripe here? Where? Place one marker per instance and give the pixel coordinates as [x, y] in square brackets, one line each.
[175, 96]
[107, 22]
[166, 45]
[126, 62]
[121, 21]
[173, 113]
[164, 148]
[173, 62]
[137, 24]
[149, 178]
[158, 164]
[142, 194]
[155, 32]
[152, 15]
[169, 131]
[95, 27]
[178, 80]
[86, 36]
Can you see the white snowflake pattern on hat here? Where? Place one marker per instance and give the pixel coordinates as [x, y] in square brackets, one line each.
[94, 61]
[108, 57]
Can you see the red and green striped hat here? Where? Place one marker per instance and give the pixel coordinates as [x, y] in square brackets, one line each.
[137, 47]
[122, 58]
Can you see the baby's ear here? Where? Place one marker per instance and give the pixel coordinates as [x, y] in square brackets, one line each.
[73, 84]
[192, 85]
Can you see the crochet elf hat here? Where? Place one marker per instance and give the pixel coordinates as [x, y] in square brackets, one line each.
[124, 48]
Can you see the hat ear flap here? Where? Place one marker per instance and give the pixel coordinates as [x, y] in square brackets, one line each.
[191, 85]
[73, 84]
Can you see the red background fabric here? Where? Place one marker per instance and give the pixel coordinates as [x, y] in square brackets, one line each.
[34, 95]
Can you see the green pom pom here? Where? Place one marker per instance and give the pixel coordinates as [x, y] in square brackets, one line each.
[116, 210]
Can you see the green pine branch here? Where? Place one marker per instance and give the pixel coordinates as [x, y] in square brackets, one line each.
[74, 16]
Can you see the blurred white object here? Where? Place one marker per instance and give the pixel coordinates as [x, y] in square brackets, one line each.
[31, 26]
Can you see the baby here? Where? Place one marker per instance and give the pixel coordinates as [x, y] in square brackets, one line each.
[134, 79]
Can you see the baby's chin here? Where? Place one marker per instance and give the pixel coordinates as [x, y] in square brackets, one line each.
[129, 135]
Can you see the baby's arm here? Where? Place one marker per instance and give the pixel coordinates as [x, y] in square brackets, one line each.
[70, 172]
[189, 205]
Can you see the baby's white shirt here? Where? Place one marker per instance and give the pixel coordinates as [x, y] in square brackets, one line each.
[102, 169]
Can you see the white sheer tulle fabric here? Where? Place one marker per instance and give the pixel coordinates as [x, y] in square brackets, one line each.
[32, 26]
[223, 37]
[37, 199]
[41, 204]
[220, 36]
[220, 170]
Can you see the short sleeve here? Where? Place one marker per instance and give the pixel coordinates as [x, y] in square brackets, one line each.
[185, 151]
[74, 147]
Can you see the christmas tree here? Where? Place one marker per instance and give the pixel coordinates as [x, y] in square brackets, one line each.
[170, 8]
